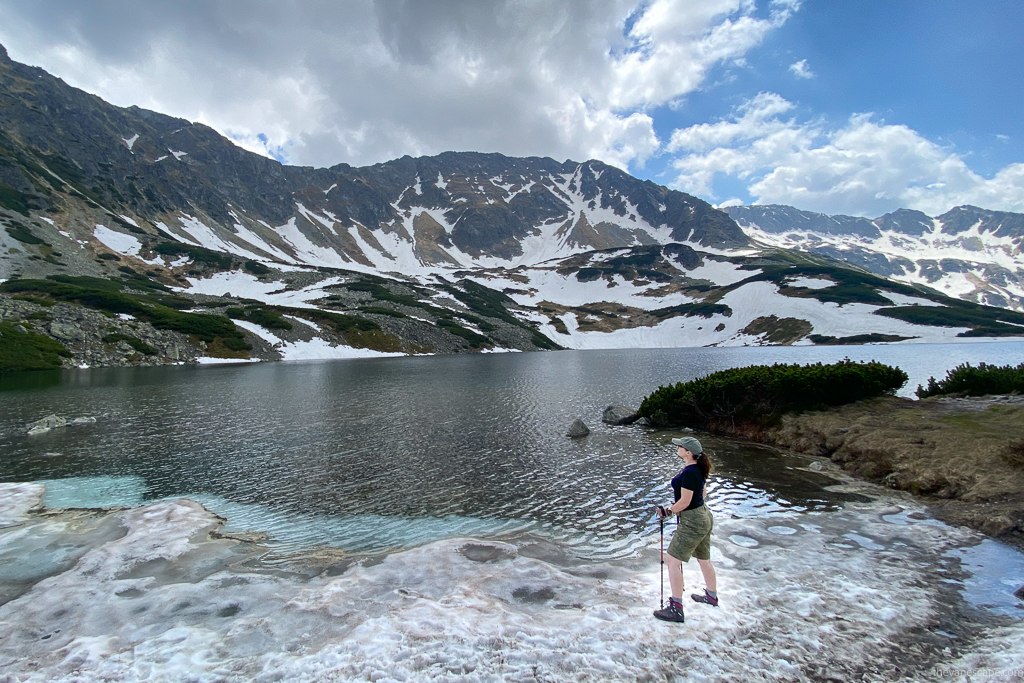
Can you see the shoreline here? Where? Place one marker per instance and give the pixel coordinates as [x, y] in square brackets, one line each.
[961, 457]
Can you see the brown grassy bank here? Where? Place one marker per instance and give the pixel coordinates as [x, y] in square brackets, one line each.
[964, 456]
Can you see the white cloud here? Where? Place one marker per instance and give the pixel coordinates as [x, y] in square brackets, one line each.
[864, 167]
[363, 81]
[801, 70]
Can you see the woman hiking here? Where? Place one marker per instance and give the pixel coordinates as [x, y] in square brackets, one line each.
[693, 534]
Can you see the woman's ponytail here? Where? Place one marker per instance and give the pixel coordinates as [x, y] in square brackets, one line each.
[704, 463]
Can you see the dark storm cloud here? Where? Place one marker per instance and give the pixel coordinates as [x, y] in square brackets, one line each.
[362, 81]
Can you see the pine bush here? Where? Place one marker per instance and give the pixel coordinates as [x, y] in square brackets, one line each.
[761, 394]
[967, 380]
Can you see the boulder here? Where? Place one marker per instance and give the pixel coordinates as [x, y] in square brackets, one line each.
[619, 415]
[1020, 593]
[577, 429]
[642, 422]
[46, 424]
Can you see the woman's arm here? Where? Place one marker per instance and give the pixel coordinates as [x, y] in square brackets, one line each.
[685, 496]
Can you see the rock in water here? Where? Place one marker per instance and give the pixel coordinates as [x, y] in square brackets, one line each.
[619, 415]
[46, 424]
[816, 466]
[577, 429]
[642, 422]
[1020, 593]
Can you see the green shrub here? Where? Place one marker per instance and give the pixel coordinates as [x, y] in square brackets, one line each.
[24, 350]
[475, 340]
[984, 321]
[135, 343]
[542, 342]
[692, 310]
[35, 300]
[264, 317]
[201, 255]
[379, 292]
[22, 234]
[967, 380]
[256, 268]
[105, 296]
[484, 301]
[13, 200]
[871, 338]
[380, 310]
[340, 322]
[761, 394]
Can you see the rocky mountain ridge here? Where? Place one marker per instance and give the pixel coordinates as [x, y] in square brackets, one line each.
[168, 175]
[968, 252]
[163, 227]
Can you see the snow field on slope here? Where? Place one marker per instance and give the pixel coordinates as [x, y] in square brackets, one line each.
[569, 291]
[245, 285]
[117, 241]
[935, 246]
[751, 301]
[204, 236]
[758, 299]
[314, 349]
[720, 272]
[165, 603]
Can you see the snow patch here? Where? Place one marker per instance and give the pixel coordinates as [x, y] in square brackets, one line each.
[811, 283]
[117, 241]
[315, 349]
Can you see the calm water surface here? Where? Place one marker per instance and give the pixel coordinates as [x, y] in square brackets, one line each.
[383, 453]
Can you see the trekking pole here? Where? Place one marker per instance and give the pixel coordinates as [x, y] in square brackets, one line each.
[661, 520]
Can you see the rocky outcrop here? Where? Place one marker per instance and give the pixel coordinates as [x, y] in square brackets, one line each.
[577, 429]
[45, 424]
[618, 415]
[98, 340]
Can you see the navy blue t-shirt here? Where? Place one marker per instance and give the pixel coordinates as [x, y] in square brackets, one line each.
[690, 478]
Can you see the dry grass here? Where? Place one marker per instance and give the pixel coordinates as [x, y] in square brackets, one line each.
[965, 455]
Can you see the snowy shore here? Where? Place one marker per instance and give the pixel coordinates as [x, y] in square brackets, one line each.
[875, 591]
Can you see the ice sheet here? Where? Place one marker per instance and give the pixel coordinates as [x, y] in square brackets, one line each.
[16, 500]
[163, 601]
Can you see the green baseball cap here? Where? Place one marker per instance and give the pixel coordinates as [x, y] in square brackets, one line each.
[689, 443]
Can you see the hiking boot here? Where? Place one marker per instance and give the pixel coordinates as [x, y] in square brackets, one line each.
[671, 612]
[705, 598]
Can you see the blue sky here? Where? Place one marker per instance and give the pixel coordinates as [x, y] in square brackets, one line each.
[838, 106]
[951, 71]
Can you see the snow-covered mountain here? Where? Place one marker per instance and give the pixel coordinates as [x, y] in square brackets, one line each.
[970, 253]
[455, 252]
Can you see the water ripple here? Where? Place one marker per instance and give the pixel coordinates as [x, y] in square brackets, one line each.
[390, 453]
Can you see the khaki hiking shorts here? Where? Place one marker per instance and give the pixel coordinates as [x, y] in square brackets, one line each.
[693, 535]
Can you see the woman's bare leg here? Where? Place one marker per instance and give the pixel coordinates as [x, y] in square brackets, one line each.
[675, 576]
[708, 570]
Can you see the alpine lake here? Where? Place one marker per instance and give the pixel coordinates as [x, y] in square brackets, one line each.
[376, 457]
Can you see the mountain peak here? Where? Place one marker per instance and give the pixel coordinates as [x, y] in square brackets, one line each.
[3, 54]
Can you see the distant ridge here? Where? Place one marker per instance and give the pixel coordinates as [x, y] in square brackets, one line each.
[968, 252]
